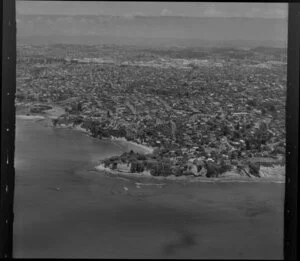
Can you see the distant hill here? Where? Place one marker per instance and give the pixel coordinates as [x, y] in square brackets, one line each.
[152, 31]
[268, 50]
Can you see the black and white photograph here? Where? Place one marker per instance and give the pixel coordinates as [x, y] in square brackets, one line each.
[152, 130]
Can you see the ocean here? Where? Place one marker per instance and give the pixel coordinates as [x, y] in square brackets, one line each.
[64, 208]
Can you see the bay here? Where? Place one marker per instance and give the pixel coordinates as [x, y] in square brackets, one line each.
[66, 209]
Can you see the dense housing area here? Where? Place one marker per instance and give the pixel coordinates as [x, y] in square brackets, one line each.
[205, 111]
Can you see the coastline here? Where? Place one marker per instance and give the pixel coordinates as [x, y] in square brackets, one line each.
[230, 176]
[122, 141]
[145, 148]
[71, 194]
[57, 111]
[30, 117]
[268, 174]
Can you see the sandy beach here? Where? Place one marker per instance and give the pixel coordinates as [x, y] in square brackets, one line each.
[146, 149]
[30, 117]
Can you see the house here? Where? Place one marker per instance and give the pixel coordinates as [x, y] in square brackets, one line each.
[124, 167]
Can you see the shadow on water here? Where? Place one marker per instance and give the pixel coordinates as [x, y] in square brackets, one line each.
[254, 209]
[184, 240]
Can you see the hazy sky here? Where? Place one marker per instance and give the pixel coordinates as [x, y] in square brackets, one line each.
[267, 10]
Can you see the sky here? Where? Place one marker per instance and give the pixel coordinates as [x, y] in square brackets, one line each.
[191, 9]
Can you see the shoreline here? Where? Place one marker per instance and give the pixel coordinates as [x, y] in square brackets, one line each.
[30, 117]
[145, 148]
[122, 141]
[230, 176]
[49, 115]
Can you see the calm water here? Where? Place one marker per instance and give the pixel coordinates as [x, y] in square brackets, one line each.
[65, 209]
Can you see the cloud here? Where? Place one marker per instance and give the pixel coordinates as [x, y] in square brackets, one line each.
[65, 19]
[139, 14]
[39, 18]
[270, 11]
[212, 11]
[277, 12]
[165, 12]
[206, 9]
[84, 21]
[128, 16]
[49, 22]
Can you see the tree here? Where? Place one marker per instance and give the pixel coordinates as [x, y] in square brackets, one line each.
[141, 157]
[114, 166]
[224, 167]
[108, 114]
[79, 106]
[133, 168]
[77, 121]
[252, 102]
[55, 121]
[155, 170]
[254, 168]
[212, 169]
[140, 166]
[178, 172]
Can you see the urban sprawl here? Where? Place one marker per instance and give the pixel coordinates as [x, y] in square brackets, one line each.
[204, 111]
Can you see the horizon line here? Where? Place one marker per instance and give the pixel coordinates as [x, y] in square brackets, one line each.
[169, 16]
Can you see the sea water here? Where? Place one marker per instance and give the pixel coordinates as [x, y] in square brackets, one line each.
[65, 208]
